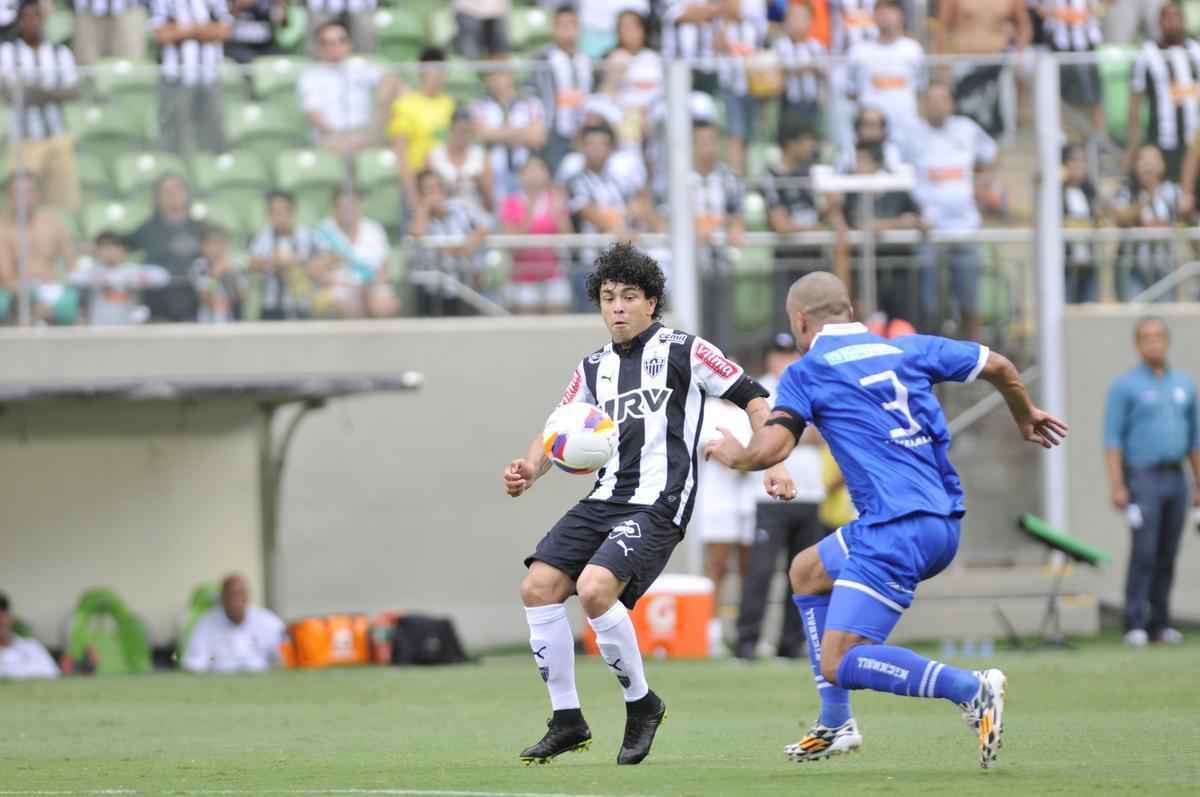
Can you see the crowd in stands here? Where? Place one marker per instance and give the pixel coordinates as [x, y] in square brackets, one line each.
[402, 170]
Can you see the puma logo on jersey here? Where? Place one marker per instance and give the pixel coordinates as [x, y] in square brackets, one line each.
[637, 403]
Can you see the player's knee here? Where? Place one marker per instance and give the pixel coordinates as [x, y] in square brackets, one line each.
[597, 592]
[830, 661]
[537, 591]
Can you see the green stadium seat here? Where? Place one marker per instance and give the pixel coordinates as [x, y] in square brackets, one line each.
[120, 217]
[136, 173]
[462, 81]
[240, 215]
[94, 177]
[292, 36]
[60, 26]
[235, 83]
[1191, 16]
[442, 27]
[130, 84]
[203, 598]
[256, 128]
[754, 211]
[752, 300]
[385, 204]
[400, 34]
[275, 74]
[529, 28]
[105, 131]
[212, 174]
[374, 168]
[103, 627]
[1115, 62]
[300, 169]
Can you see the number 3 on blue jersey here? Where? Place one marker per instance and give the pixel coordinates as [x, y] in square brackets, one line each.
[899, 404]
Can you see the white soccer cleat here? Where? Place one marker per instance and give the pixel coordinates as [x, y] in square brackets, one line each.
[822, 742]
[985, 714]
[1136, 638]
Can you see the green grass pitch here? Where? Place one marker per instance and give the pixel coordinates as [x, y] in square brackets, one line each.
[1102, 720]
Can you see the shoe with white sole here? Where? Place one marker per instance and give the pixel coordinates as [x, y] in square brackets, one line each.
[985, 713]
[823, 742]
[1169, 636]
[1136, 638]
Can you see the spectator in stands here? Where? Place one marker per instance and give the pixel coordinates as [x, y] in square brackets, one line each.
[736, 37]
[218, 281]
[982, 28]
[626, 165]
[595, 199]
[1081, 210]
[802, 57]
[1151, 429]
[235, 636]
[510, 124]
[37, 77]
[254, 25]
[538, 282]
[463, 163]
[351, 264]
[688, 35]
[887, 73]
[1148, 201]
[171, 239]
[191, 38]
[642, 83]
[340, 96]
[109, 29]
[952, 155]
[786, 527]
[356, 16]
[420, 119]
[598, 23]
[851, 23]
[482, 28]
[436, 214]
[49, 249]
[701, 108]
[792, 207]
[112, 284]
[1073, 26]
[871, 129]
[1165, 73]
[717, 198]
[564, 80]
[894, 210]
[21, 657]
[280, 254]
[1129, 21]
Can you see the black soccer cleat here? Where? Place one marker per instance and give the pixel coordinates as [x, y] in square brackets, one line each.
[564, 734]
[642, 720]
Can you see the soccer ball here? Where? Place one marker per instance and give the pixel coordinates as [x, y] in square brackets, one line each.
[579, 438]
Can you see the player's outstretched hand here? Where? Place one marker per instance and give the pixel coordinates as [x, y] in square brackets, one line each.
[779, 483]
[1044, 429]
[518, 477]
[725, 449]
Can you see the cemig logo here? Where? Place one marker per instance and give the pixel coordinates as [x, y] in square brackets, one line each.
[714, 360]
[637, 403]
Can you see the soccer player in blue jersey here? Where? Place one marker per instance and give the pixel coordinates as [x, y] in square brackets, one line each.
[872, 399]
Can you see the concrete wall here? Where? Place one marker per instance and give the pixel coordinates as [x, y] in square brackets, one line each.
[1099, 347]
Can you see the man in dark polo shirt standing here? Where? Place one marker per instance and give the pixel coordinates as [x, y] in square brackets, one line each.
[1151, 434]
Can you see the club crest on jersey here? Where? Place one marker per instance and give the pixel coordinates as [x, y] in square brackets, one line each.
[626, 528]
[637, 403]
[655, 365]
[713, 359]
[595, 357]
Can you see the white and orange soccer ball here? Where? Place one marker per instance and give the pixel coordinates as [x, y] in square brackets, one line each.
[579, 438]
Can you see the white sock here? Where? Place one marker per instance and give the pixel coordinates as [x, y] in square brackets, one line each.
[619, 646]
[553, 649]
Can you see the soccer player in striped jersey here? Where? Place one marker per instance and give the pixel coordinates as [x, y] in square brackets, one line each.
[609, 548]
[872, 400]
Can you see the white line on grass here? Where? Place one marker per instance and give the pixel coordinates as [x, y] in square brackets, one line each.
[295, 792]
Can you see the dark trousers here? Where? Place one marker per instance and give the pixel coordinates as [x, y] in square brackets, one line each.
[1162, 496]
[781, 527]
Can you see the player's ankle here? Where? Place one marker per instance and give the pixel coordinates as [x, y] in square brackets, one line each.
[646, 704]
[568, 717]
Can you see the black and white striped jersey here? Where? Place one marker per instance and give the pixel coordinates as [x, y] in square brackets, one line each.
[1170, 76]
[47, 66]
[654, 390]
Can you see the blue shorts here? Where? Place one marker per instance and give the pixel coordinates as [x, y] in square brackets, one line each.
[876, 569]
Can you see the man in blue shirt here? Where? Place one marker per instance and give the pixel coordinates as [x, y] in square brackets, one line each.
[872, 400]
[1150, 429]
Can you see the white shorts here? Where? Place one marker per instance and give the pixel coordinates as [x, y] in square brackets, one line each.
[724, 510]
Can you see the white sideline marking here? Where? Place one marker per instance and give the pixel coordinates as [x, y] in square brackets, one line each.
[293, 792]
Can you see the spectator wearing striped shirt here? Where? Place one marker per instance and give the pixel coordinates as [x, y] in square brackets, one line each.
[37, 77]
[437, 214]
[801, 55]
[191, 36]
[254, 26]
[512, 126]
[1149, 201]
[1081, 210]
[357, 16]
[564, 80]
[1167, 74]
[736, 37]
[1073, 26]
[482, 28]
[688, 35]
[109, 29]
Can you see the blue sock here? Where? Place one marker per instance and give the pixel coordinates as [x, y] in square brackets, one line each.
[888, 668]
[835, 701]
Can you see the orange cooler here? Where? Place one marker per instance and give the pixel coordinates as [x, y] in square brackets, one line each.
[671, 618]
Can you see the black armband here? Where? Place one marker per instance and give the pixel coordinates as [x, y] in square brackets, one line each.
[744, 391]
[790, 420]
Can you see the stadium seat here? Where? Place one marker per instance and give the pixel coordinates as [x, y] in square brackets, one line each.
[135, 173]
[462, 81]
[255, 128]
[311, 175]
[105, 131]
[385, 204]
[94, 178]
[442, 27]
[130, 84]
[103, 627]
[212, 174]
[203, 598]
[1116, 65]
[292, 36]
[120, 217]
[528, 28]
[754, 211]
[400, 34]
[275, 75]
[60, 26]
[240, 214]
[235, 83]
[1191, 16]
[375, 167]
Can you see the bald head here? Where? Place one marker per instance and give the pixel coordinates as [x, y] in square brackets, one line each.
[235, 597]
[821, 296]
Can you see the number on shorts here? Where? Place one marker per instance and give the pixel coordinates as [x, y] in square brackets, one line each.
[900, 405]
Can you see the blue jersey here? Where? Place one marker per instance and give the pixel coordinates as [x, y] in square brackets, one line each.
[872, 400]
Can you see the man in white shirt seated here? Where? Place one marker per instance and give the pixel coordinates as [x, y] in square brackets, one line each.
[235, 636]
[21, 657]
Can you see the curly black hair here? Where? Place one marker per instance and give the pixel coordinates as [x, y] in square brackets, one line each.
[626, 264]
